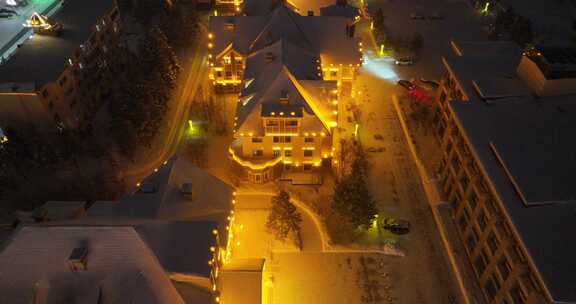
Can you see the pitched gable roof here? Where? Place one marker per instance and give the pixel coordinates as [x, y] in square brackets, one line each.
[283, 23]
[268, 90]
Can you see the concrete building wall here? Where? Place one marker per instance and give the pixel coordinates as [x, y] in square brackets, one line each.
[500, 262]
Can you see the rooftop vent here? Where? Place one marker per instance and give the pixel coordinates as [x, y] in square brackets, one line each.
[78, 259]
[284, 97]
[187, 190]
[230, 25]
[270, 57]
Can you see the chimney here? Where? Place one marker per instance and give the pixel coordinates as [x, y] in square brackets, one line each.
[187, 190]
[270, 57]
[78, 259]
[310, 13]
[284, 97]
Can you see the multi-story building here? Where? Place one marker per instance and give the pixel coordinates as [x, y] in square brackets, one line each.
[288, 69]
[57, 77]
[506, 123]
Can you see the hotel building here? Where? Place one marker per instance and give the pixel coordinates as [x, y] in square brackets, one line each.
[506, 121]
[54, 81]
[288, 70]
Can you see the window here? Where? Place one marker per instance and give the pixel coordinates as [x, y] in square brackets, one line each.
[517, 295]
[287, 139]
[492, 243]
[276, 139]
[256, 139]
[292, 123]
[471, 242]
[309, 139]
[482, 219]
[219, 74]
[480, 265]
[271, 123]
[308, 153]
[257, 152]
[288, 153]
[491, 289]
[307, 167]
[333, 73]
[504, 268]
[227, 60]
[287, 167]
[276, 152]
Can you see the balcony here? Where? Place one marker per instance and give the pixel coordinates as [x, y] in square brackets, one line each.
[279, 130]
[252, 163]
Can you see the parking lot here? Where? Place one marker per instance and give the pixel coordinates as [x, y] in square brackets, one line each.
[455, 19]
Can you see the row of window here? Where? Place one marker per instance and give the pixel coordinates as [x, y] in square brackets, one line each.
[281, 139]
[277, 152]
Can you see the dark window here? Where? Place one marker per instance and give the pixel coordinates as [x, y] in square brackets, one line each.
[256, 139]
[287, 139]
[309, 139]
[490, 289]
[287, 167]
[271, 123]
[504, 268]
[333, 73]
[471, 242]
[307, 167]
[292, 123]
[482, 220]
[287, 153]
[308, 153]
[276, 139]
[492, 243]
[257, 152]
[276, 153]
[219, 74]
[517, 295]
[480, 265]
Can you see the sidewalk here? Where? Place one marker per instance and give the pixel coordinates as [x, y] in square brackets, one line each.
[467, 286]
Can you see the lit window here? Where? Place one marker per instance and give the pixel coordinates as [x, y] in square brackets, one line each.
[288, 153]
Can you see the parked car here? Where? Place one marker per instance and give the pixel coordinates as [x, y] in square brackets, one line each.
[404, 61]
[432, 83]
[417, 16]
[406, 84]
[396, 226]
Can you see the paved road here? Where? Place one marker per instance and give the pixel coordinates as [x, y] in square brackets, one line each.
[176, 122]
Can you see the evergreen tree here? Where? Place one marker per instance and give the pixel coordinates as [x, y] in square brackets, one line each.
[284, 218]
[352, 198]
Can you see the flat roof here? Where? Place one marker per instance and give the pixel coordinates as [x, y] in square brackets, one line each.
[42, 58]
[525, 145]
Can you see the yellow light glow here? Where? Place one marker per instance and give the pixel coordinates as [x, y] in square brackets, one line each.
[210, 36]
[212, 249]
[334, 124]
[335, 112]
[214, 231]
[322, 134]
[210, 45]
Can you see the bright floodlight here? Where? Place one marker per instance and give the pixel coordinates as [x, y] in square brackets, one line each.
[380, 67]
[38, 21]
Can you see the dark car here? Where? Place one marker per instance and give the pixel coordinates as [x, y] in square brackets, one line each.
[406, 84]
[396, 226]
[431, 83]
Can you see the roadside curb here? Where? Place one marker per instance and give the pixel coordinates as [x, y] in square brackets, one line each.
[432, 196]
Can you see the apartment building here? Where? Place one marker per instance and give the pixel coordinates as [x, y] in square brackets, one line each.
[287, 105]
[506, 127]
[54, 81]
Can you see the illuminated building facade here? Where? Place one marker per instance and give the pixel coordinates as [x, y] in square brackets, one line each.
[288, 70]
[506, 167]
[60, 75]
